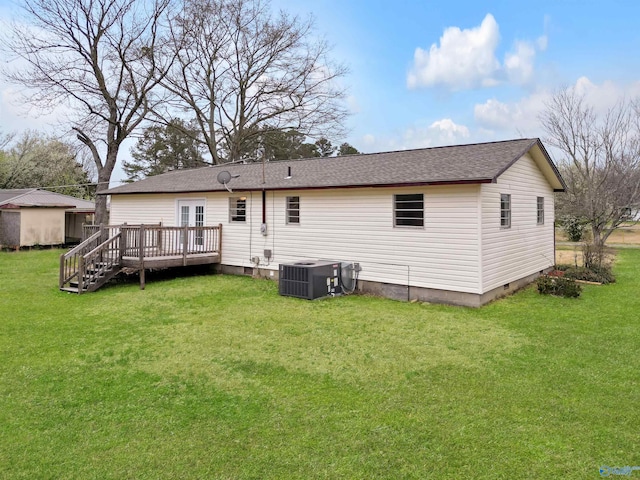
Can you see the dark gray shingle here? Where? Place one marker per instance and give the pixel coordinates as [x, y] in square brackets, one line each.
[475, 163]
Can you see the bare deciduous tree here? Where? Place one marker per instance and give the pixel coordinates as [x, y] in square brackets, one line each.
[101, 60]
[240, 70]
[602, 159]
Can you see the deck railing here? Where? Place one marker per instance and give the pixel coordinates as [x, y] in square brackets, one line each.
[99, 261]
[70, 261]
[155, 241]
[160, 241]
[106, 246]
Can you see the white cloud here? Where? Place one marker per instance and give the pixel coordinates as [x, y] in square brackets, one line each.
[449, 131]
[368, 140]
[440, 132]
[467, 59]
[542, 42]
[521, 117]
[464, 59]
[518, 64]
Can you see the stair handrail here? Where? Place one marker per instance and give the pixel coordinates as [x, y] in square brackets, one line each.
[75, 250]
[88, 261]
[101, 246]
[67, 270]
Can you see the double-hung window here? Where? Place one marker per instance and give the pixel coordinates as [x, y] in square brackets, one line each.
[408, 210]
[293, 210]
[505, 210]
[540, 209]
[238, 209]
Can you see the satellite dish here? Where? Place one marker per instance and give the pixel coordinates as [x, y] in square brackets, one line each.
[225, 177]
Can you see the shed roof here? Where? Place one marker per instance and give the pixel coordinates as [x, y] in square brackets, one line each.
[473, 163]
[35, 197]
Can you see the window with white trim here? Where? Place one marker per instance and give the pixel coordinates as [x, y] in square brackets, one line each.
[540, 209]
[293, 210]
[505, 210]
[238, 209]
[408, 210]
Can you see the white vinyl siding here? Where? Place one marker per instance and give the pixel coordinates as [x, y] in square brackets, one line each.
[526, 247]
[357, 225]
[343, 224]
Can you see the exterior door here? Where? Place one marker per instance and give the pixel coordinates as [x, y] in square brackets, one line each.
[191, 213]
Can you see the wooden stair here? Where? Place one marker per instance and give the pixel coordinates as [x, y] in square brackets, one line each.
[91, 264]
[94, 279]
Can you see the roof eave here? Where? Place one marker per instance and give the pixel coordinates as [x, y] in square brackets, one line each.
[313, 187]
[547, 158]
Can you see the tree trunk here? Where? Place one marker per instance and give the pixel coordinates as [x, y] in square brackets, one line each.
[104, 176]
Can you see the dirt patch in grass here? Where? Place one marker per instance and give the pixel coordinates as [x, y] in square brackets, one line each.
[569, 257]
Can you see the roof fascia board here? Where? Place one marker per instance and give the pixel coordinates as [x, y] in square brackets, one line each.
[327, 187]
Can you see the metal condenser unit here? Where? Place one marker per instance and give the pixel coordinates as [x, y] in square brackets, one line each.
[310, 279]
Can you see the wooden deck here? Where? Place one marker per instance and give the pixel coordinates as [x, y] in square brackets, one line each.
[109, 248]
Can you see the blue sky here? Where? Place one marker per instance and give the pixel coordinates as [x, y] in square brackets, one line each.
[434, 73]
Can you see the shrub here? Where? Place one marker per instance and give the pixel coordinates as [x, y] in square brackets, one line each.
[573, 227]
[559, 286]
[600, 274]
[594, 256]
[562, 267]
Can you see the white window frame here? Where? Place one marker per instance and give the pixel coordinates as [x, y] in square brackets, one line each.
[292, 214]
[540, 210]
[505, 213]
[402, 199]
[235, 215]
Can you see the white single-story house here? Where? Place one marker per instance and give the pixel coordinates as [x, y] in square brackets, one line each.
[31, 216]
[459, 224]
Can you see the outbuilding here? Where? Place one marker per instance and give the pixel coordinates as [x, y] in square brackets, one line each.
[32, 216]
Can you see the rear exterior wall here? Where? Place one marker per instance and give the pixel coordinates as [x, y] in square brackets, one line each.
[341, 224]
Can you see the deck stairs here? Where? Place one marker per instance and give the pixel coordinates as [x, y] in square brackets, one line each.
[91, 264]
[108, 249]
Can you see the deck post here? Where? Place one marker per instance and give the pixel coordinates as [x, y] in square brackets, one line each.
[80, 273]
[185, 244]
[219, 246]
[141, 247]
[62, 271]
[123, 244]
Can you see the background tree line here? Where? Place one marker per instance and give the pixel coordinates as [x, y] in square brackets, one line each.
[35, 160]
[233, 75]
[163, 148]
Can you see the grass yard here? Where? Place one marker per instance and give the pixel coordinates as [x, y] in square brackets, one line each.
[219, 377]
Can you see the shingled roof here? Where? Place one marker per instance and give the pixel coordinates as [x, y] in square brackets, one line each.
[474, 163]
[35, 197]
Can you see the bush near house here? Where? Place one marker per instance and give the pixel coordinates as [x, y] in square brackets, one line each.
[560, 286]
[602, 274]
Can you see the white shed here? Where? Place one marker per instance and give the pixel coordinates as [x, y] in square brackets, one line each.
[459, 224]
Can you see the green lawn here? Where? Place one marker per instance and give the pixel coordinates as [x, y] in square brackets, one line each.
[219, 377]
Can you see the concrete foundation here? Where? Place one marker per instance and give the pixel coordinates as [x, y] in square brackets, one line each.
[402, 292]
[432, 295]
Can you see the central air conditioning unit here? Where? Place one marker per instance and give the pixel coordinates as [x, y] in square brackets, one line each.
[310, 279]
